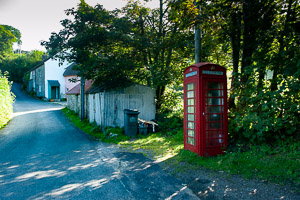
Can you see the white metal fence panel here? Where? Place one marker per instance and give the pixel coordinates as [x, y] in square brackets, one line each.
[97, 109]
[107, 108]
[91, 107]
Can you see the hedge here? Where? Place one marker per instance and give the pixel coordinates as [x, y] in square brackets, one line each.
[6, 100]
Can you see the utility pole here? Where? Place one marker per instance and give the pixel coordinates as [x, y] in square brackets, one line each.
[197, 38]
[82, 97]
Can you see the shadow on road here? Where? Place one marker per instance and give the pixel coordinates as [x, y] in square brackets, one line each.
[43, 156]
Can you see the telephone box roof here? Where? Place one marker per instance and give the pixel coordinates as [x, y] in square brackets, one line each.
[203, 64]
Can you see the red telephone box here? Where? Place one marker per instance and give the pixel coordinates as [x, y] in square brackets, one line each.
[205, 109]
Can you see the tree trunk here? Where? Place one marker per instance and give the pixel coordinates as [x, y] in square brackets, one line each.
[236, 46]
[159, 97]
[197, 39]
[260, 79]
[142, 35]
[278, 67]
[249, 41]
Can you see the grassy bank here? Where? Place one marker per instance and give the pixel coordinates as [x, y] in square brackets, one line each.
[6, 100]
[110, 135]
[279, 165]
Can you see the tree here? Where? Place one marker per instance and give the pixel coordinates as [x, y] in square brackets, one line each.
[162, 45]
[260, 36]
[17, 65]
[267, 111]
[7, 38]
[131, 45]
[152, 46]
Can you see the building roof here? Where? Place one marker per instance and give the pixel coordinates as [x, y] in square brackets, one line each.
[96, 89]
[40, 64]
[70, 71]
[101, 88]
[76, 89]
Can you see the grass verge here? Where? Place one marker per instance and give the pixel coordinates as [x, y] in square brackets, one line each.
[110, 135]
[279, 165]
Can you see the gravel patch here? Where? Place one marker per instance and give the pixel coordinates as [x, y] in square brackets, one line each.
[211, 185]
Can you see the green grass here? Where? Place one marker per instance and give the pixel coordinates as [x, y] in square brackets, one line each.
[157, 145]
[6, 101]
[279, 165]
[110, 135]
[258, 163]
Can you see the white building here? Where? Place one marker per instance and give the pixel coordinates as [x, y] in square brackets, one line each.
[47, 80]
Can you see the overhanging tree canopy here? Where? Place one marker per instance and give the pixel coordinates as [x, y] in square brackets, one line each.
[134, 44]
[152, 46]
[8, 35]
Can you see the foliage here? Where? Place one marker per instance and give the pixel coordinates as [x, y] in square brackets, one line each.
[15, 32]
[262, 110]
[6, 100]
[8, 35]
[172, 100]
[170, 122]
[17, 65]
[134, 44]
[270, 115]
[170, 117]
[153, 46]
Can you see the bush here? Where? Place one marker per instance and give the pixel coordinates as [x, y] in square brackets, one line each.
[6, 100]
[170, 122]
[269, 116]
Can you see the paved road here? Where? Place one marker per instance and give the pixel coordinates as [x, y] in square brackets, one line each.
[42, 156]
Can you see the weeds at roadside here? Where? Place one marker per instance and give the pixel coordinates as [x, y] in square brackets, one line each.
[109, 135]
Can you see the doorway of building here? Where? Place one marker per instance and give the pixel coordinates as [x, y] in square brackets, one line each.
[53, 89]
[54, 92]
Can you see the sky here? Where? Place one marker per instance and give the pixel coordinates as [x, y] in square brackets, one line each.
[36, 19]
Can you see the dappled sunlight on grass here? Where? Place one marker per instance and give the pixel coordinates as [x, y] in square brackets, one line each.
[159, 159]
[160, 147]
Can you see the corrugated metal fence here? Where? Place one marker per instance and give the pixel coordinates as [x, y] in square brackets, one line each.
[107, 108]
